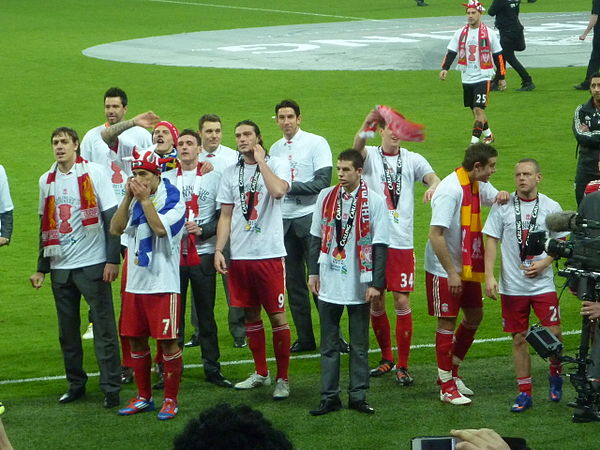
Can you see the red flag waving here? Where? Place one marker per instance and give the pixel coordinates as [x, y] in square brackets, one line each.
[403, 129]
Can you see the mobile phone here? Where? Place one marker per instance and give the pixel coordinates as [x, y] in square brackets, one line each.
[433, 443]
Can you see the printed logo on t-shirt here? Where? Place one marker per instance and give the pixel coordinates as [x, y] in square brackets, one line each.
[64, 214]
[338, 261]
[252, 224]
[293, 168]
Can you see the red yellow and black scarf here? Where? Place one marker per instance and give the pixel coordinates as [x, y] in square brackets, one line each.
[473, 268]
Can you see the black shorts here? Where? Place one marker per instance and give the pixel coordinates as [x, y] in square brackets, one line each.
[475, 95]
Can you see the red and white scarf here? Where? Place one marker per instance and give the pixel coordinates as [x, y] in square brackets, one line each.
[362, 219]
[473, 268]
[189, 255]
[90, 213]
[486, 62]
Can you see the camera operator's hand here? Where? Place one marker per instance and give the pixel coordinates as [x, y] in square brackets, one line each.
[591, 310]
[537, 267]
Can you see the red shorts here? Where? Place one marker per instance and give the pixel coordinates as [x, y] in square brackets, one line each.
[516, 308]
[400, 270]
[155, 315]
[442, 303]
[257, 282]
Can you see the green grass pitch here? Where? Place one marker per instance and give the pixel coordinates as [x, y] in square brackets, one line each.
[47, 82]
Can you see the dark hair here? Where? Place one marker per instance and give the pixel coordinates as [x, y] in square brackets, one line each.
[535, 163]
[353, 156]
[208, 118]
[480, 153]
[253, 125]
[287, 103]
[224, 427]
[69, 132]
[190, 132]
[595, 75]
[116, 92]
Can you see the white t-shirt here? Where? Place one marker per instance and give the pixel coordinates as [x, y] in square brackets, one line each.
[79, 247]
[473, 73]
[162, 274]
[207, 199]
[501, 224]
[414, 168]
[340, 278]
[306, 153]
[221, 158]
[261, 237]
[445, 212]
[6, 203]
[94, 149]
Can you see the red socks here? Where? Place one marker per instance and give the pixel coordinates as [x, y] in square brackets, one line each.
[463, 338]
[555, 368]
[443, 348]
[256, 341]
[524, 385]
[403, 335]
[281, 348]
[381, 328]
[172, 365]
[142, 364]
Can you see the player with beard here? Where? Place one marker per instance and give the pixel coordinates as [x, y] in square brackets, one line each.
[93, 147]
[526, 281]
[251, 193]
[454, 263]
[586, 128]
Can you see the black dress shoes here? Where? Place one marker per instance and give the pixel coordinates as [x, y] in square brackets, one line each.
[71, 395]
[361, 406]
[298, 347]
[111, 399]
[126, 375]
[344, 346]
[218, 379]
[327, 406]
[240, 342]
[193, 342]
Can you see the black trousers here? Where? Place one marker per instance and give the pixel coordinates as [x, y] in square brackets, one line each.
[296, 238]
[594, 63]
[358, 327]
[202, 279]
[68, 286]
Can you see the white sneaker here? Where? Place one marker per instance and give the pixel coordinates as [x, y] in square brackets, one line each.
[462, 388]
[89, 333]
[253, 381]
[450, 394]
[282, 389]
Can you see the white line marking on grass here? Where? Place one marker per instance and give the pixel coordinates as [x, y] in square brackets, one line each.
[247, 8]
[250, 361]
